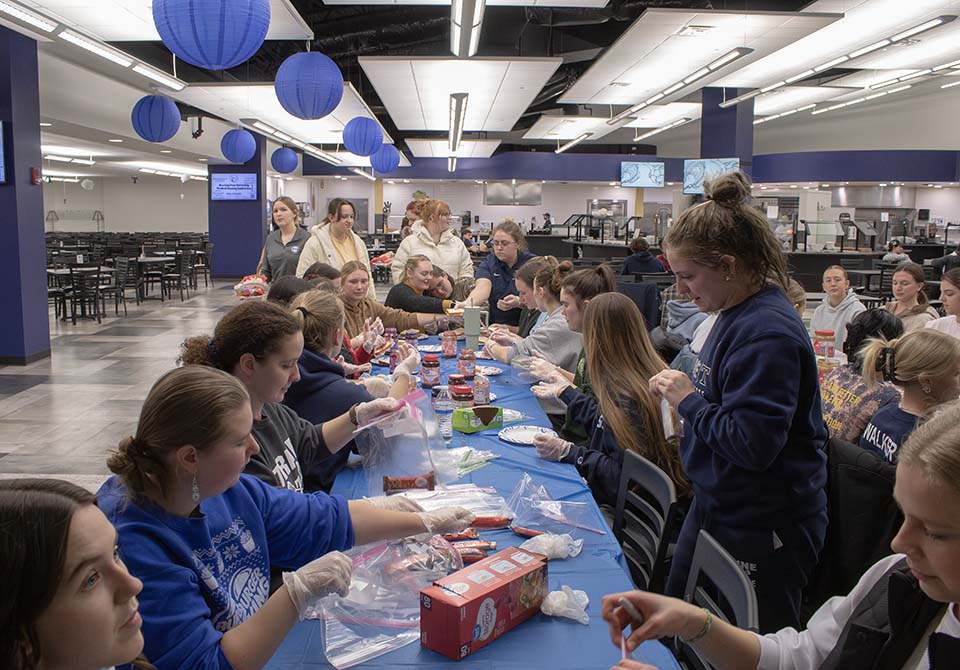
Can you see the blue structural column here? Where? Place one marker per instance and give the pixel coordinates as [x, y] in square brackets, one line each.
[25, 334]
[239, 227]
[727, 133]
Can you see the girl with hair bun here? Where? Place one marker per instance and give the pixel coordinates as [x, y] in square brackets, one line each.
[281, 251]
[202, 536]
[950, 297]
[910, 301]
[753, 427]
[551, 338]
[66, 600]
[925, 366]
[848, 402]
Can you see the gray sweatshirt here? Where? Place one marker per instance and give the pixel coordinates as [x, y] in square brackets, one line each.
[558, 344]
[827, 317]
[289, 446]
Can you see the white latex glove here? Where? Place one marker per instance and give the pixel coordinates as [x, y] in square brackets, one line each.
[328, 574]
[551, 448]
[378, 387]
[395, 503]
[447, 520]
[508, 302]
[351, 370]
[503, 337]
[372, 330]
[549, 390]
[410, 358]
[543, 369]
[367, 411]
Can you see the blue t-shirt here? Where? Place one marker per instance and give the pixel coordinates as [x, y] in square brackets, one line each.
[501, 276]
[206, 574]
[754, 434]
[888, 430]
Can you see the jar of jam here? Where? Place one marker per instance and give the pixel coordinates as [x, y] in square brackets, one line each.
[411, 336]
[824, 343]
[467, 363]
[430, 371]
[390, 333]
[448, 344]
[481, 390]
[456, 380]
[394, 357]
[462, 395]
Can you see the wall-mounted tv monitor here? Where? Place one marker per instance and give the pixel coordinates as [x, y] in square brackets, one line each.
[233, 186]
[3, 153]
[642, 175]
[697, 171]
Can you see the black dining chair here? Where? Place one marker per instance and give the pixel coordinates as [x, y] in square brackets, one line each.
[180, 277]
[84, 292]
[202, 265]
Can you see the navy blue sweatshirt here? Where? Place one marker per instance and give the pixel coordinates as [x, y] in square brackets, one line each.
[642, 261]
[754, 433]
[322, 393]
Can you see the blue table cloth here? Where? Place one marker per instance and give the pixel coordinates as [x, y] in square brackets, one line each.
[542, 642]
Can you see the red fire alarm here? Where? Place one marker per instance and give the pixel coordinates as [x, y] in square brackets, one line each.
[35, 176]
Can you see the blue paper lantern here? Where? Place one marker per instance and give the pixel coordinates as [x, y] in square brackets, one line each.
[155, 118]
[212, 34]
[362, 136]
[309, 85]
[386, 159]
[284, 160]
[238, 146]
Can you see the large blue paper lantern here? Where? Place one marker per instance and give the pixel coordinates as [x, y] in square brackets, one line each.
[155, 118]
[309, 85]
[212, 34]
[362, 136]
[386, 159]
[284, 160]
[238, 146]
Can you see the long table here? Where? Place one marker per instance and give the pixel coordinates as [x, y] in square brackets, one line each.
[541, 642]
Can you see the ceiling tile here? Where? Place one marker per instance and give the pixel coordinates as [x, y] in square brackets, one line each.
[791, 97]
[490, 3]
[432, 148]
[658, 116]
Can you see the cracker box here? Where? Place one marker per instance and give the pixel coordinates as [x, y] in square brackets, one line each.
[471, 608]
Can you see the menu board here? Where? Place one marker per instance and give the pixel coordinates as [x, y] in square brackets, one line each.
[239, 186]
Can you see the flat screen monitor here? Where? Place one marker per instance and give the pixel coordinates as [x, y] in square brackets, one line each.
[229, 186]
[697, 171]
[3, 170]
[642, 175]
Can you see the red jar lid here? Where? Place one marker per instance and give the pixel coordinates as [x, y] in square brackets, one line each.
[455, 379]
[462, 390]
[824, 332]
[431, 358]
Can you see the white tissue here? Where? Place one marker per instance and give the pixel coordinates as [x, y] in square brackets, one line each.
[567, 603]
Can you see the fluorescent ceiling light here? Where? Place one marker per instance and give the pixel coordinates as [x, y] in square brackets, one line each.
[656, 131]
[798, 77]
[673, 89]
[699, 74]
[913, 75]
[283, 137]
[115, 141]
[148, 170]
[458, 111]
[166, 151]
[69, 180]
[653, 99]
[260, 125]
[95, 47]
[466, 18]
[923, 27]
[196, 178]
[951, 85]
[159, 77]
[740, 98]
[869, 49]
[729, 57]
[45, 125]
[832, 63]
[945, 66]
[452, 164]
[572, 143]
[27, 16]
[362, 173]
[766, 89]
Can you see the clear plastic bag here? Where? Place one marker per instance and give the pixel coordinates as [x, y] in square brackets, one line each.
[483, 501]
[535, 510]
[554, 546]
[672, 424]
[404, 449]
[567, 603]
[382, 610]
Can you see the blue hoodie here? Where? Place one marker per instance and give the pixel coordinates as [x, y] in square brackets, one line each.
[323, 393]
[754, 433]
[205, 574]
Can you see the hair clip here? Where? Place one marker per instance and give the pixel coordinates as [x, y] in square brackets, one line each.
[886, 363]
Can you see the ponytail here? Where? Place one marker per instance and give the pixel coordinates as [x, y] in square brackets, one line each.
[901, 361]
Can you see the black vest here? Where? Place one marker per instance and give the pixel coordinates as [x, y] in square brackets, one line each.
[887, 626]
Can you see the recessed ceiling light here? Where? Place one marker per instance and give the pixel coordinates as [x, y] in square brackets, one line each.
[793, 186]
[166, 151]
[202, 160]
[45, 125]
[881, 184]
[825, 185]
[115, 141]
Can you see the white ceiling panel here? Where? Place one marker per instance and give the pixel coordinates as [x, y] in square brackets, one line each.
[132, 20]
[416, 91]
[791, 97]
[352, 160]
[651, 56]
[490, 3]
[926, 50]
[658, 116]
[429, 148]
[259, 101]
[568, 127]
[864, 22]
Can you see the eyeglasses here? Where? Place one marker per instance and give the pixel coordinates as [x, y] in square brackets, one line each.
[502, 243]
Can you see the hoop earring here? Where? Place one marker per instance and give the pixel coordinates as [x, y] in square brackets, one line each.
[195, 491]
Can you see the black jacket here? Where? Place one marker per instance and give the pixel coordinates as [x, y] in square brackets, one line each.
[401, 296]
[642, 262]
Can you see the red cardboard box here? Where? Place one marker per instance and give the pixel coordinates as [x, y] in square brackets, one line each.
[472, 607]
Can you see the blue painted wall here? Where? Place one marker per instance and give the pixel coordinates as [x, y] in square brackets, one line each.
[901, 165]
[727, 133]
[238, 228]
[25, 335]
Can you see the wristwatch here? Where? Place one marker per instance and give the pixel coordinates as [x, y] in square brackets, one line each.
[352, 414]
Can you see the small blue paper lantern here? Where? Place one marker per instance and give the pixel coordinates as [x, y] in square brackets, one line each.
[155, 118]
[212, 34]
[238, 146]
[362, 136]
[284, 160]
[386, 159]
[309, 85]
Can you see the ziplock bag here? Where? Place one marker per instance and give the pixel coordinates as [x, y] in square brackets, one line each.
[382, 610]
[483, 501]
[535, 510]
[404, 449]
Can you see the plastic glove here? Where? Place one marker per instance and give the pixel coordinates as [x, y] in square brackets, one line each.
[410, 358]
[351, 370]
[551, 448]
[447, 520]
[503, 337]
[328, 574]
[395, 503]
[378, 387]
[567, 603]
[372, 331]
[508, 302]
[541, 368]
[546, 391]
[367, 411]
[554, 546]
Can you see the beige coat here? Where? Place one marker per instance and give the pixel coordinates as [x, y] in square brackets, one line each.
[371, 309]
[450, 254]
[321, 248]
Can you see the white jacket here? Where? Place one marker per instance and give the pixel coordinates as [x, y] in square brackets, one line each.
[321, 248]
[450, 255]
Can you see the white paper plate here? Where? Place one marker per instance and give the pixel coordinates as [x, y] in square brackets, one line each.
[488, 370]
[511, 415]
[524, 434]
[430, 348]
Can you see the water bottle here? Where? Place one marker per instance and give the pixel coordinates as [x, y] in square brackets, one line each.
[443, 407]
